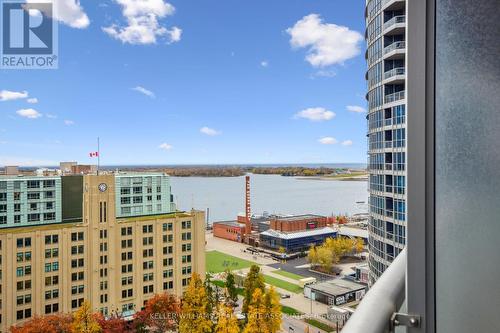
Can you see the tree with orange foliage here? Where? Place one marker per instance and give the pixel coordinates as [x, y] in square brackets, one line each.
[56, 323]
[161, 314]
[113, 324]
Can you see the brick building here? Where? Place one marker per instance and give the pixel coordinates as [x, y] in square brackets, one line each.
[231, 230]
[298, 223]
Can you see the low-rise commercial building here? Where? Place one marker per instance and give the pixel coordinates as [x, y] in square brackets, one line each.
[335, 292]
[114, 240]
[231, 230]
[295, 241]
[298, 223]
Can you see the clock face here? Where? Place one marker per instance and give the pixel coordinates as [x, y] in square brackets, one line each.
[103, 187]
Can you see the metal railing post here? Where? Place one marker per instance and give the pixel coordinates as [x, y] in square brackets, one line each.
[385, 298]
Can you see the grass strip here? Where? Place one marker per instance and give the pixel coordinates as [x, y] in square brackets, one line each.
[288, 274]
[320, 325]
[278, 283]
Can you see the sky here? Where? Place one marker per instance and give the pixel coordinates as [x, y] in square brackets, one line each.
[193, 82]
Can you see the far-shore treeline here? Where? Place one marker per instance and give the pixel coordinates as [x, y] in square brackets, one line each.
[237, 171]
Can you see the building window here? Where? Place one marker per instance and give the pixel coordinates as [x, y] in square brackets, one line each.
[77, 236]
[33, 196]
[33, 184]
[49, 183]
[168, 262]
[186, 270]
[147, 289]
[33, 217]
[168, 273]
[147, 228]
[168, 238]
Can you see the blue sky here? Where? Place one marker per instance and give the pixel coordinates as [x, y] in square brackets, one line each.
[212, 82]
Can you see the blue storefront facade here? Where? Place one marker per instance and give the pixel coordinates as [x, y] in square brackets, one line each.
[295, 241]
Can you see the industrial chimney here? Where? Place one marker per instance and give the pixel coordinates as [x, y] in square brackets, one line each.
[248, 211]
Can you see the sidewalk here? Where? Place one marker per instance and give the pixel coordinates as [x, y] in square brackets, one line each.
[234, 248]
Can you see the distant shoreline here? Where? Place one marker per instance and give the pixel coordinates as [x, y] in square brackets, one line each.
[363, 178]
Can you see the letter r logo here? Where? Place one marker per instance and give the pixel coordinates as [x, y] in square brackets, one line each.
[27, 28]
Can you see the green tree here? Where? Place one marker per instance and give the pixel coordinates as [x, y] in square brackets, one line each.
[195, 317]
[212, 296]
[254, 280]
[84, 321]
[231, 289]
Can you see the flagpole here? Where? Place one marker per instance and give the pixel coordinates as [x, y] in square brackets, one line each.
[98, 156]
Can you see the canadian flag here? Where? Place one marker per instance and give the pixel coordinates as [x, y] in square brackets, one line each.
[94, 154]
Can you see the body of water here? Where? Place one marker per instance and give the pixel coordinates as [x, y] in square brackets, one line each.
[225, 196]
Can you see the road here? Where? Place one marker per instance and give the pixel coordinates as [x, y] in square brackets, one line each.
[292, 325]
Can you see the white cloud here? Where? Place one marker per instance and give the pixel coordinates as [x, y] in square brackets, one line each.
[29, 113]
[175, 34]
[69, 12]
[143, 26]
[69, 122]
[209, 131]
[327, 43]
[51, 116]
[328, 140]
[32, 100]
[6, 95]
[346, 143]
[264, 63]
[315, 114]
[356, 108]
[144, 91]
[165, 146]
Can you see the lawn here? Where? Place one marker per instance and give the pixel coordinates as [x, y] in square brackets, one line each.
[222, 284]
[217, 262]
[290, 311]
[282, 284]
[288, 274]
[320, 325]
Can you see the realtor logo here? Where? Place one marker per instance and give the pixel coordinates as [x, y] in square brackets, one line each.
[29, 35]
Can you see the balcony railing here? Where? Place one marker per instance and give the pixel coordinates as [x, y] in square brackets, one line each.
[395, 20]
[394, 72]
[395, 46]
[394, 97]
[385, 298]
[387, 1]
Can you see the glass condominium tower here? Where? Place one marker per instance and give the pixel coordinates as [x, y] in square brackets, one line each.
[385, 56]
